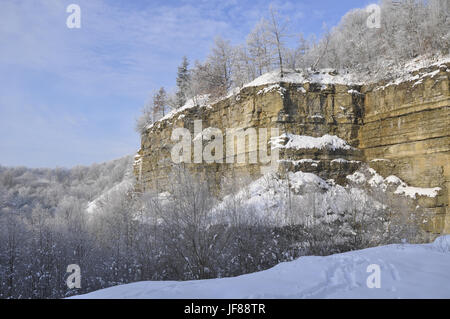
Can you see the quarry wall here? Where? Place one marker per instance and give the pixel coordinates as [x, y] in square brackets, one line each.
[399, 128]
[408, 126]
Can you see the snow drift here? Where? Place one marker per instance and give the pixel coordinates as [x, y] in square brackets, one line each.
[406, 271]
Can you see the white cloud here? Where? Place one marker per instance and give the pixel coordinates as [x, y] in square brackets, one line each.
[117, 48]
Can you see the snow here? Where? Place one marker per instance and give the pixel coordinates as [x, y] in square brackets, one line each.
[352, 91]
[299, 179]
[417, 191]
[392, 179]
[442, 244]
[125, 185]
[330, 142]
[199, 101]
[357, 177]
[271, 88]
[404, 73]
[401, 73]
[344, 161]
[302, 161]
[409, 77]
[265, 198]
[376, 180]
[406, 271]
[137, 159]
[324, 76]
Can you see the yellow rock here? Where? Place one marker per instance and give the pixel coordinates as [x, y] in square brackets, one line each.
[406, 125]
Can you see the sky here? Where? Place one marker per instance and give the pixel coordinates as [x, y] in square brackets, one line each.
[71, 96]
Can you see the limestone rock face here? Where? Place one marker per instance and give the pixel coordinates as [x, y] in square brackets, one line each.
[406, 133]
[398, 129]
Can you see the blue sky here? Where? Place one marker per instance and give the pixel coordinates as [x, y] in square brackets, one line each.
[71, 96]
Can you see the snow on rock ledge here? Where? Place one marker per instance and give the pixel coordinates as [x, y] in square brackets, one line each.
[324, 76]
[376, 180]
[198, 101]
[329, 142]
[417, 191]
[275, 87]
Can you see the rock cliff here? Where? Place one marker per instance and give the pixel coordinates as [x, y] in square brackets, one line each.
[330, 128]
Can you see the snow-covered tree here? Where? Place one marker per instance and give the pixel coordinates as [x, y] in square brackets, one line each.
[259, 47]
[220, 63]
[183, 79]
[243, 70]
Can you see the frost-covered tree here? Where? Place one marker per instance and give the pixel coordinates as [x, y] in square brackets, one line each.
[159, 104]
[277, 30]
[183, 79]
[214, 76]
[145, 118]
[408, 29]
[243, 71]
[220, 63]
[204, 80]
[299, 54]
[259, 47]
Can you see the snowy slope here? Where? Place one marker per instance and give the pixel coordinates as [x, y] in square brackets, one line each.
[267, 198]
[397, 72]
[407, 271]
[323, 76]
[123, 186]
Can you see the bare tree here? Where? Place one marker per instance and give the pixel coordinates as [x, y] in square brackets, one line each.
[221, 61]
[323, 48]
[146, 118]
[259, 47]
[159, 104]
[277, 31]
[243, 70]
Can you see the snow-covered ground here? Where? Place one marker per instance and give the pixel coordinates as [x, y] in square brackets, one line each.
[406, 271]
[330, 142]
[323, 76]
[198, 101]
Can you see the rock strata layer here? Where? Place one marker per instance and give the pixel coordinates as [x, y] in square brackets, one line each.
[398, 128]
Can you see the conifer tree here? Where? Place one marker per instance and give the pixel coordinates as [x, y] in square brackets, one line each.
[183, 79]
